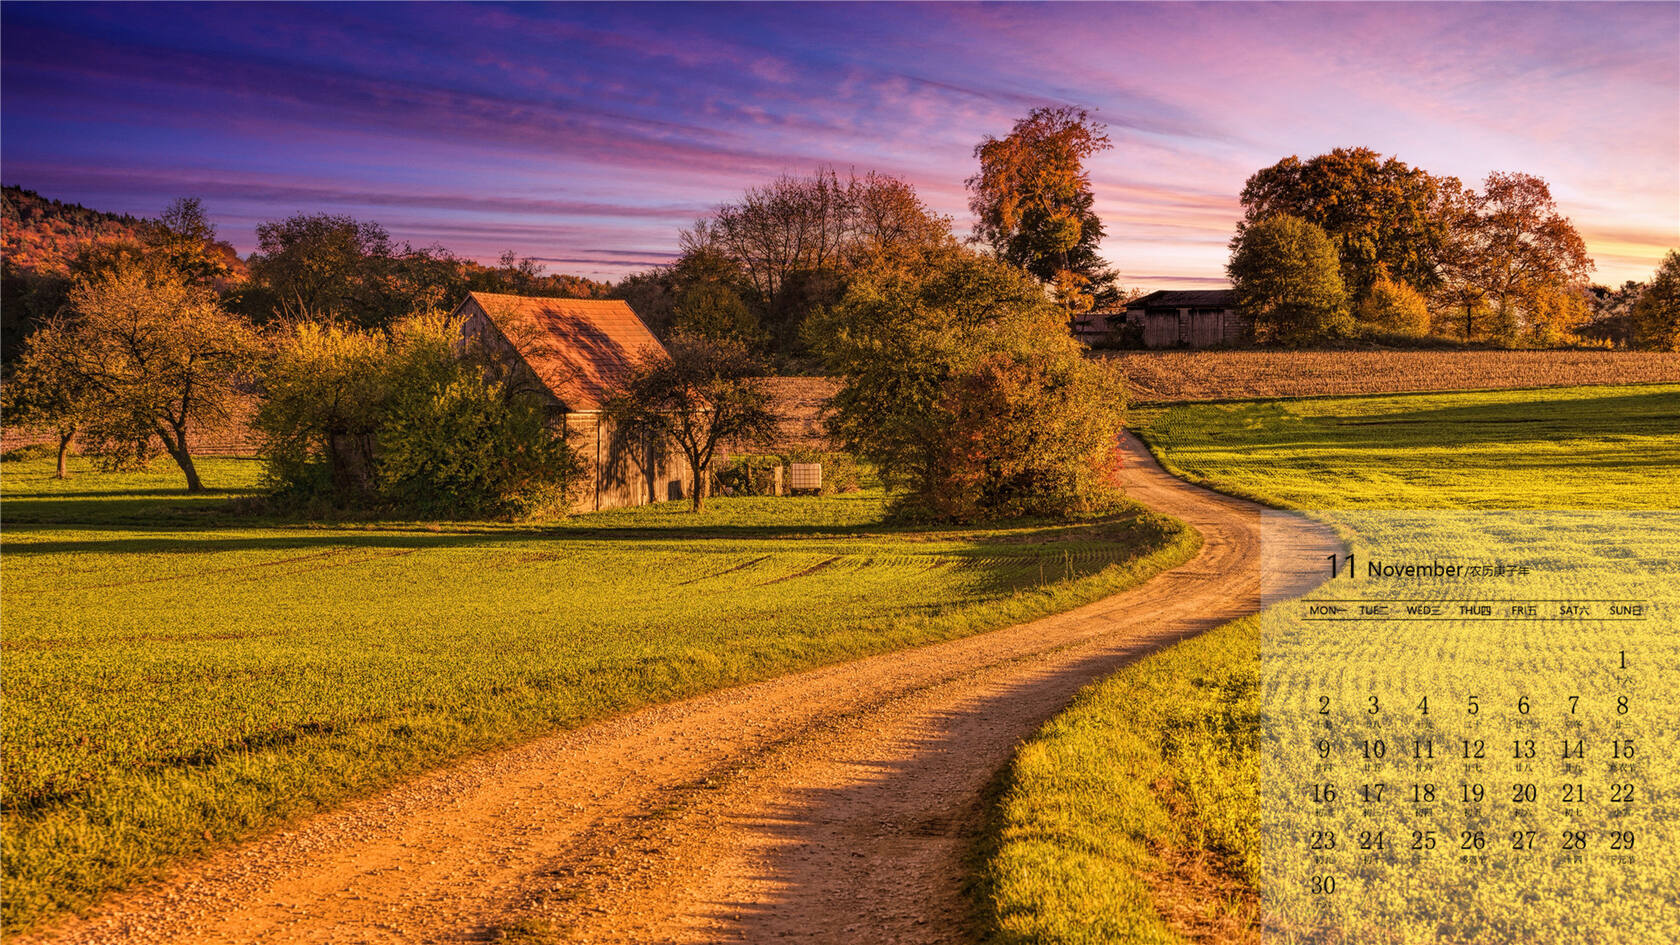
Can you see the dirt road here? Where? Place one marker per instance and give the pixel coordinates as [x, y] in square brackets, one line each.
[830, 806]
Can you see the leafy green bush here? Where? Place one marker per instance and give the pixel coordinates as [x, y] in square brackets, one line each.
[749, 474]
[463, 449]
[400, 419]
[962, 385]
[323, 392]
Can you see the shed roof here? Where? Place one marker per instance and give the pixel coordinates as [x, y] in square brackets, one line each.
[1189, 298]
[578, 348]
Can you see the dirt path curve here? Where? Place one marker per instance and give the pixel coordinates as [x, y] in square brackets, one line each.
[833, 805]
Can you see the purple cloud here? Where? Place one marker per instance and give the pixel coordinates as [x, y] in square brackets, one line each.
[586, 135]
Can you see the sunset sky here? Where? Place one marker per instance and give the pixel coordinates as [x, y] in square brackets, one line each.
[587, 135]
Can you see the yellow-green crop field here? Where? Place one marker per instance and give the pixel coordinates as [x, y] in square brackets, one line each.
[178, 677]
[1208, 753]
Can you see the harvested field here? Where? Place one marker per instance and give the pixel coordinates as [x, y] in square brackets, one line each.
[802, 401]
[1176, 376]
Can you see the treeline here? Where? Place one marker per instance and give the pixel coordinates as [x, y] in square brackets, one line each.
[1350, 243]
[960, 381]
[757, 269]
[319, 266]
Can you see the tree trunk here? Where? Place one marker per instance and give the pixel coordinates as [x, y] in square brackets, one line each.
[350, 464]
[184, 460]
[176, 446]
[702, 488]
[63, 453]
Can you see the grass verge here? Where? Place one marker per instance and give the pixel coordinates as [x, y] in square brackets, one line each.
[1091, 826]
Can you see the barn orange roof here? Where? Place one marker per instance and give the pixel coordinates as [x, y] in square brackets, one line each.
[577, 347]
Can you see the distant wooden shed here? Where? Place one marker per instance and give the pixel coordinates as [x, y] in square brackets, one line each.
[1188, 319]
[572, 351]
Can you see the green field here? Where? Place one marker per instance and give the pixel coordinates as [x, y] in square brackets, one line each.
[180, 675]
[1575, 447]
[1154, 775]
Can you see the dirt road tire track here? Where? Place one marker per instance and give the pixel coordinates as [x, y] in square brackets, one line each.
[833, 805]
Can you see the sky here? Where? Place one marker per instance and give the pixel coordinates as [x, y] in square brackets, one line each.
[586, 136]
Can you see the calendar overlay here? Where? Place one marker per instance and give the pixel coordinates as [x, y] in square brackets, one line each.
[1471, 730]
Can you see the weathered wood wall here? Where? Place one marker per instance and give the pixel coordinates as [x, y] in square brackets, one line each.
[1195, 329]
[624, 469]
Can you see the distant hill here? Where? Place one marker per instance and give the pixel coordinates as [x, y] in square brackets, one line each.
[40, 240]
[41, 235]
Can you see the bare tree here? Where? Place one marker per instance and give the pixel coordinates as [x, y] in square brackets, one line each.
[796, 240]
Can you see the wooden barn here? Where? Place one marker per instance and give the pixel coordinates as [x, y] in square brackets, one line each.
[572, 351]
[1193, 319]
[1170, 319]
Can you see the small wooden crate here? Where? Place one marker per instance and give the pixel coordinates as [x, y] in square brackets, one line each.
[805, 477]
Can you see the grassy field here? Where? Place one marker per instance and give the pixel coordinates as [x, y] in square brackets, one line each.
[1581, 447]
[1174, 376]
[1137, 815]
[179, 677]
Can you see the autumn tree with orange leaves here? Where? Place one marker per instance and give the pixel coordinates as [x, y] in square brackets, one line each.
[1516, 263]
[1033, 202]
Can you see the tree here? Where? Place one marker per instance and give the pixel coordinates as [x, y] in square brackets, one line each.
[1386, 218]
[1033, 201]
[407, 417]
[36, 397]
[1656, 316]
[1556, 313]
[708, 289]
[1529, 250]
[1517, 256]
[323, 390]
[1394, 307]
[1611, 319]
[155, 358]
[700, 393]
[891, 228]
[796, 241]
[456, 440]
[961, 383]
[1287, 281]
[323, 266]
[184, 239]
